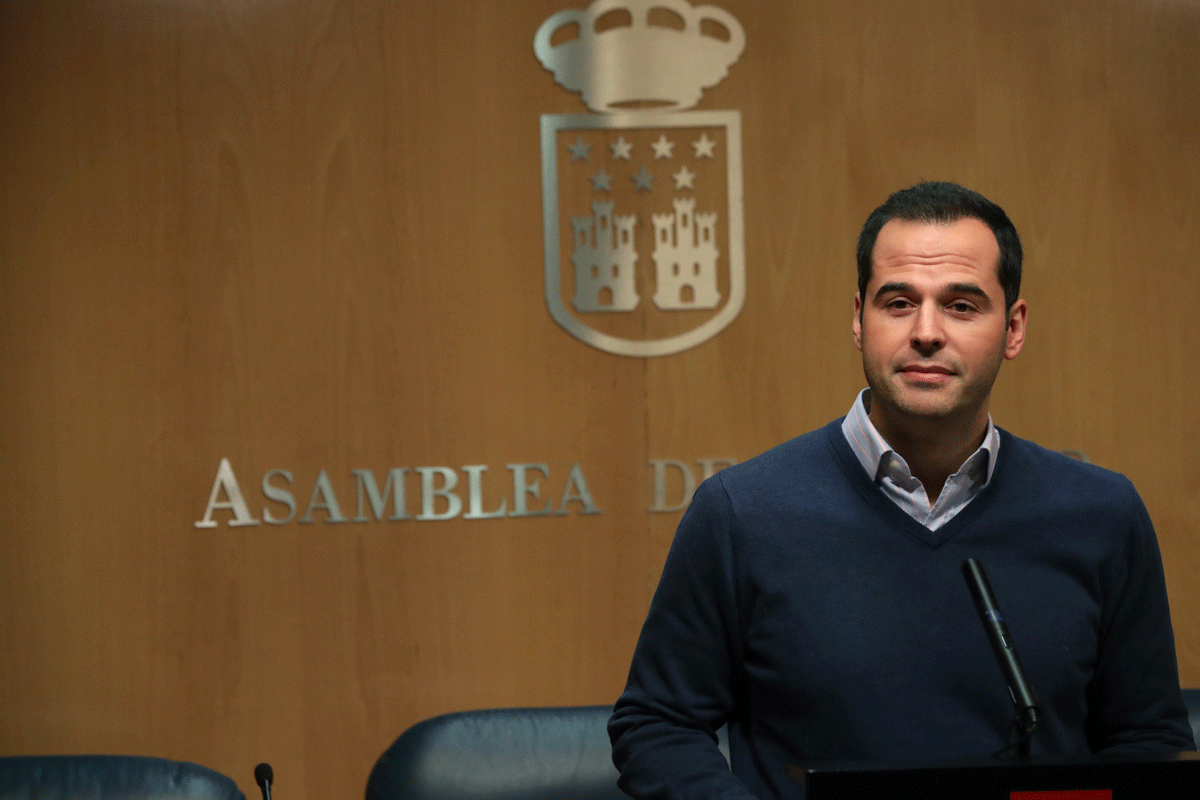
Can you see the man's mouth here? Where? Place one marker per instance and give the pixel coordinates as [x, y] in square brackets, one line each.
[931, 373]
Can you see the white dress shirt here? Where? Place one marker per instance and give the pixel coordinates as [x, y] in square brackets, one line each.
[891, 473]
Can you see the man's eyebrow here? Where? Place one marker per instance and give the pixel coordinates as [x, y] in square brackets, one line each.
[894, 286]
[968, 288]
[972, 289]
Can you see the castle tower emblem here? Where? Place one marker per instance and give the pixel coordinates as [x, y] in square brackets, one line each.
[685, 258]
[603, 256]
[642, 200]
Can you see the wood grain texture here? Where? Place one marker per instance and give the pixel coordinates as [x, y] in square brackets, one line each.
[307, 236]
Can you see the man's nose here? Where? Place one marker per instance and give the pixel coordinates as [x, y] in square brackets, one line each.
[928, 335]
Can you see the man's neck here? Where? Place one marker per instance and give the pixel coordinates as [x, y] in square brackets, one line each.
[933, 449]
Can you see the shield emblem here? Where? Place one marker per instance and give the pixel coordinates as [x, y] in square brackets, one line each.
[642, 215]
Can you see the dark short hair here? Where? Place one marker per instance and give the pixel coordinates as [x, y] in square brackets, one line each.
[941, 202]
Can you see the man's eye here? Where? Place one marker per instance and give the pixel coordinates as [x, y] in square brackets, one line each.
[962, 307]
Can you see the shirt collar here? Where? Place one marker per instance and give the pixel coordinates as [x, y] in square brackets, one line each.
[876, 456]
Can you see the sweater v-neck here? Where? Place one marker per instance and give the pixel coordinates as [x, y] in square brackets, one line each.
[857, 476]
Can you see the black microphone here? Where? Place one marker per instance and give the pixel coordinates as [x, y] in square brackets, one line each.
[1024, 700]
[263, 776]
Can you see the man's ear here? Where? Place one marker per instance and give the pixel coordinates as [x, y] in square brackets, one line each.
[856, 325]
[1018, 317]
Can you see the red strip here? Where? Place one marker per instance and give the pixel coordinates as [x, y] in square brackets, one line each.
[1068, 794]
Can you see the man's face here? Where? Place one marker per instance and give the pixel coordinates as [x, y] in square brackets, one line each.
[932, 327]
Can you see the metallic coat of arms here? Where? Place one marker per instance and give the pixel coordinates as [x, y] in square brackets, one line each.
[642, 201]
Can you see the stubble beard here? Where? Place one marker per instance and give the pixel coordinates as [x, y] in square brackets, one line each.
[916, 404]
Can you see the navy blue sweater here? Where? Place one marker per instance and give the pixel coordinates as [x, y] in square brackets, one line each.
[822, 623]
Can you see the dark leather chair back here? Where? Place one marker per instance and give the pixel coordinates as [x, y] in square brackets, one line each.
[1191, 697]
[94, 777]
[501, 754]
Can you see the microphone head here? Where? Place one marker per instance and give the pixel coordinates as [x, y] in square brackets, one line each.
[263, 775]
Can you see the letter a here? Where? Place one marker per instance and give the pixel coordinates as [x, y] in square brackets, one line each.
[581, 493]
[226, 480]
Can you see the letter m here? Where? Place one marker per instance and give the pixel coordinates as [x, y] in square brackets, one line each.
[368, 491]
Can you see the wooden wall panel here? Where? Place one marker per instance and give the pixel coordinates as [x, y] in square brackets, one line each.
[307, 236]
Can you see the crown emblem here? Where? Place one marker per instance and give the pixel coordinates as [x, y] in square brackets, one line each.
[642, 200]
[640, 61]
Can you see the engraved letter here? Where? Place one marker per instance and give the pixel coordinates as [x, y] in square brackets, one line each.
[428, 492]
[330, 503]
[279, 496]
[475, 495]
[579, 495]
[226, 480]
[660, 484]
[394, 484]
[523, 489]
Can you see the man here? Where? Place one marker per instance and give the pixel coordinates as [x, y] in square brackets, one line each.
[813, 598]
